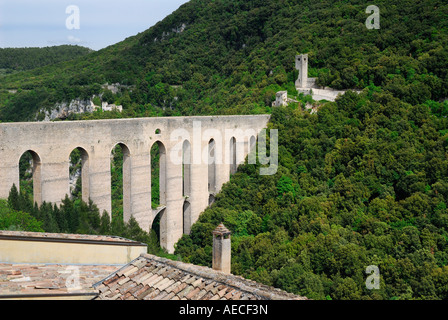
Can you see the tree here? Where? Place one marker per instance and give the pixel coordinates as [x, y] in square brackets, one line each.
[11, 219]
[72, 215]
[13, 198]
[105, 226]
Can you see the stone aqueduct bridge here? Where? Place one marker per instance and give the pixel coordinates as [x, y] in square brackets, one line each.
[197, 155]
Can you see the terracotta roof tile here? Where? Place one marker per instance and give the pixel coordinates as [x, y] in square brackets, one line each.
[207, 295]
[180, 287]
[153, 293]
[221, 230]
[153, 278]
[197, 282]
[166, 285]
[237, 295]
[156, 279]
[229, 294]
[143, 278]
[215, 297]
[130, 271]
[143, 292]
[170, 296]
[200, 294]
[161, 284]
[123, 280]
[192, 293]
[116, 296]
[185, 291]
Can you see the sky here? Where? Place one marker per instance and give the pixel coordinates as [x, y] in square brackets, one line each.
[95, 24]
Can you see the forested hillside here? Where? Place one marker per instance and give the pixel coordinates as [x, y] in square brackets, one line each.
[364, 181]
[231, 56]
[19, 59]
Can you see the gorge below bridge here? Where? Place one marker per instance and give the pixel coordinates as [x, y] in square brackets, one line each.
[197, 156]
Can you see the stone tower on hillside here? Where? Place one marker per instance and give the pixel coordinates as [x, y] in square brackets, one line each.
[302, 66]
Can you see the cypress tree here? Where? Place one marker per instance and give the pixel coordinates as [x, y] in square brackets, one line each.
[13, 198]
[60, 219]
[71, 214]
[25, 203]
[48, 218]
[94, 216]
[105, 227]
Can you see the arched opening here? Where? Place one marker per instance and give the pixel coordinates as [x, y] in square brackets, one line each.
[154, 232]
[120, 169]
[158, 175]
[30, 181]
[187, 217]
[79, 174]
[158, 194]
[186, 185]
[232, 155]
[211, 167]
[186, 169]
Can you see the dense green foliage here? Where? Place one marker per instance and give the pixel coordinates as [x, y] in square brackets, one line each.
[232, 56]
[362, 182]
[19, 59]
[11, 219]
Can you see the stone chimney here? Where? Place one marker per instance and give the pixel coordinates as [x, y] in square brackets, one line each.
[221, 249]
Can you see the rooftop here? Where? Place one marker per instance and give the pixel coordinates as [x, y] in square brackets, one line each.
[150, 277]
[63, 237]
[50, 280]
[35, 265]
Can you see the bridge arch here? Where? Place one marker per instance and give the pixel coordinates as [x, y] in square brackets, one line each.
[232, 156]
[158, 160]
[211, 170]
[120, 155]
[186, 185]
[36, 173]
[79, 160]
[158, 224]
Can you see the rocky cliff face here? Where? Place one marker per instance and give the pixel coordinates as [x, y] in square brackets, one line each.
[64, 109]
